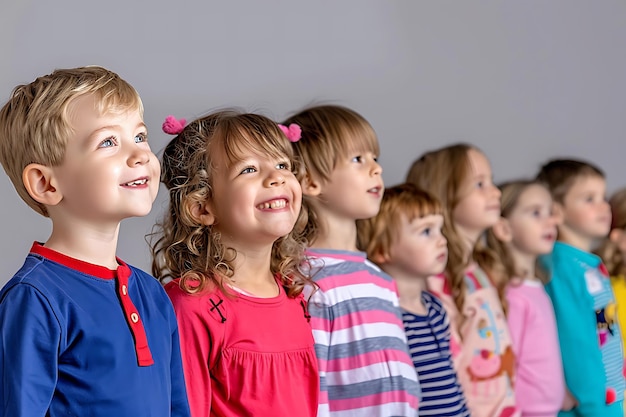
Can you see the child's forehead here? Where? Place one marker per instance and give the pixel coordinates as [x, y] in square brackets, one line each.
[359, 141]
[477, 162]
[94, 105]
[235, 152]
[533, 193]
[421, 216]
[587, 182]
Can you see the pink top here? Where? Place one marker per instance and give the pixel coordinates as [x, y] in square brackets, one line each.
[246, 356]
[540, 385]
[481, 346]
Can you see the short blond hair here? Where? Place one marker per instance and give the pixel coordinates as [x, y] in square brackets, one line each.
[35, 121]
[377, 234]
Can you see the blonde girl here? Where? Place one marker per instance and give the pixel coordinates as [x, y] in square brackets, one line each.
[364, 363]
[460, 177]
[527, 229]
[228, 243]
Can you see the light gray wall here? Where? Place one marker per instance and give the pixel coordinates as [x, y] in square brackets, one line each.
[524, 81]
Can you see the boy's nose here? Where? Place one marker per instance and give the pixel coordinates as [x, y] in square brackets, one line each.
[139, 157]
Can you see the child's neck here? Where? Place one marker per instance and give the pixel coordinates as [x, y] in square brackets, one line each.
[570, 237]
[94, 245]
[336, 234]
[468, 240]
[524, 264]
[410, 291]
[253, 272]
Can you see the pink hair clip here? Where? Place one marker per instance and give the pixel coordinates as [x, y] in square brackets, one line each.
[173, 126]
[293, 132]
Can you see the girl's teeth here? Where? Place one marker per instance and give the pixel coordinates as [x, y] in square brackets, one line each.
[273, 205]
[138, 182]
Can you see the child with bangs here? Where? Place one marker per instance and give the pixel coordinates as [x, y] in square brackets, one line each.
[230, 246]
[405, 239]
[365, 368]
[471, 288]
[82, 333]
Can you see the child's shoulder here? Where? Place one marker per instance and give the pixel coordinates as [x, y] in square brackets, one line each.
[211, 302]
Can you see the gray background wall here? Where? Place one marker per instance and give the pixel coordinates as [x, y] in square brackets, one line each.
[524, 81]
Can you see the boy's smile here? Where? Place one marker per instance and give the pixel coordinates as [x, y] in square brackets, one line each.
[108, 172]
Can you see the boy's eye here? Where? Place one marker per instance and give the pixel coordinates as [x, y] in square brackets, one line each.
[141, 137]
[283, 165]
[536, 213]
[248, 170]
[107, 143]
[358, 158]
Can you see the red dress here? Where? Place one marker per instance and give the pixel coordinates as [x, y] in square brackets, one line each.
[246, 356]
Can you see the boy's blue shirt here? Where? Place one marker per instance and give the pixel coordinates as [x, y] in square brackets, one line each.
[66, 347]
[580, 292]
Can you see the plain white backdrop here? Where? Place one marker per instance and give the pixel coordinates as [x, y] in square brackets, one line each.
[524, 81]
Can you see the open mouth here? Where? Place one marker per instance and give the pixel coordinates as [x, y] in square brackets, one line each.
[273, 205]
[136, 183]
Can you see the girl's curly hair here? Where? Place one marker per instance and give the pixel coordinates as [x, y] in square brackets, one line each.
[182, 247]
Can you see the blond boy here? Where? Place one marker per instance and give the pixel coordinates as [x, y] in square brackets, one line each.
[81, 332]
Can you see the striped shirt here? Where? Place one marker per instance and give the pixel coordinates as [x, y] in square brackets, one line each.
[364, 365]
[429, 346]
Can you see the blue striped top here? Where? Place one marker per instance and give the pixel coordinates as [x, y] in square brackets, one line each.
[429, 345]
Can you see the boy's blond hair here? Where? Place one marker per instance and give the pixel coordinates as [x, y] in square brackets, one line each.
[560, 174]
[376, 235]
[35, 121]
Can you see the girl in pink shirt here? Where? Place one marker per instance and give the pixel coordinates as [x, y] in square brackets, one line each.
[228, 240]
[460, 177]
[526, 230]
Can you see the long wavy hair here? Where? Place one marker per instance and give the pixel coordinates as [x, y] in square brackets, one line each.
[608, 251]
[443, 173]
[182, 247]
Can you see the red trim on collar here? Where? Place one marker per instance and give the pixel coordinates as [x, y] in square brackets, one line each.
[78, 265]
[123, 272]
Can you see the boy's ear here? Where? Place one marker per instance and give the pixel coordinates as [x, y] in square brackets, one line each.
[616, 234]
[311, 186]
[502, 230]
[202, 213]
[558, 211]
[40, 183]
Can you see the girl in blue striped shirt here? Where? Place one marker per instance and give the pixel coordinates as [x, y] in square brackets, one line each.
[405, 240]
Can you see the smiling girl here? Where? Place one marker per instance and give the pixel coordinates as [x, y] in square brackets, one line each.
[229, 244]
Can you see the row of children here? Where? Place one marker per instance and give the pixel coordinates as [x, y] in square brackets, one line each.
[274, 307]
